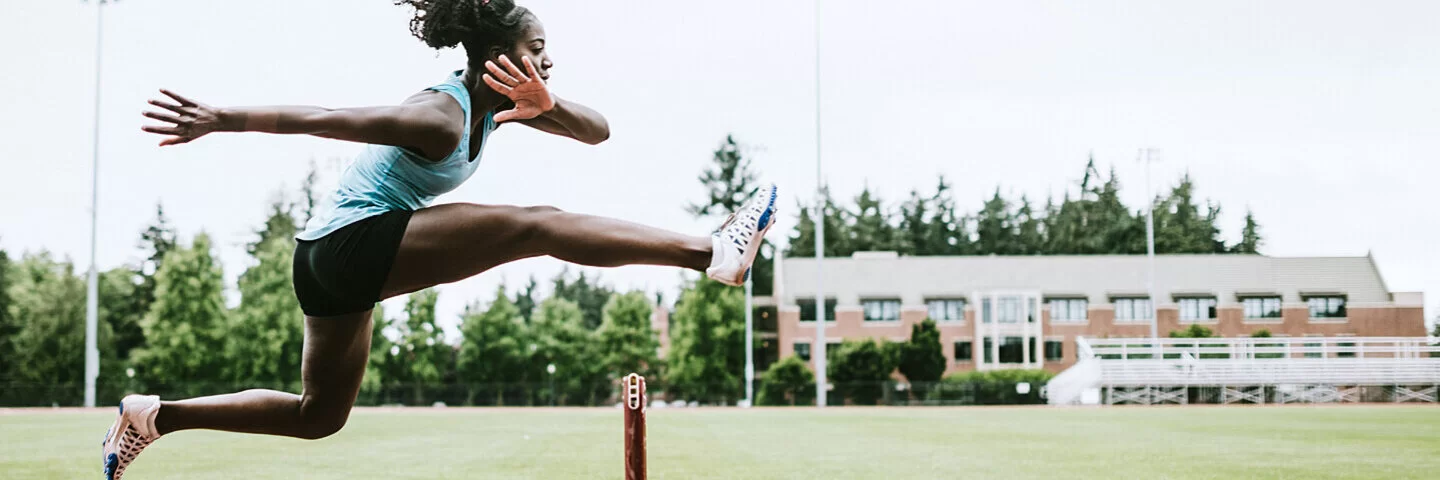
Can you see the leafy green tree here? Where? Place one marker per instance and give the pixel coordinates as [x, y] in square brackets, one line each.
[587, 294]
[1250, 239]
[922, 358]
[184, 329]
[787, 382]
[266, 333]
[626, 341]
[860, 369]
[47, 299]
[707, 340]
[8, 326]
[122, 306]
[494, 345]
[561, 339]
[422, 348]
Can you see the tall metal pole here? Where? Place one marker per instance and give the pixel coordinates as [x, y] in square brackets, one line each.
[749, 343]
[92, 302]
[1150, 253]
[818, 353]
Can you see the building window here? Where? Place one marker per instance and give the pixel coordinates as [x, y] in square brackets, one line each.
[1054, 350]
[1009, 311]
[1069, 310]
[1195, 309]
[802, 350]
[1011, 350]
[947, 310]
[964, 351]
[986, 315]
[1329, 306]
[1261, 307]
[1132, 309]
[881, 310]
[807, 309]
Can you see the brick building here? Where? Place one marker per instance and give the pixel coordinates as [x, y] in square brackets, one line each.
[1025, 312]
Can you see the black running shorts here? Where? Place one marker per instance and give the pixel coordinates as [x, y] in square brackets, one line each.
[344, 271]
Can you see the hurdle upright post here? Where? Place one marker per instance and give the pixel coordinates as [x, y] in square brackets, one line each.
[635, 400]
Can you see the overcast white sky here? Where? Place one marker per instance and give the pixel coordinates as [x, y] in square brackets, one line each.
[1321, 117]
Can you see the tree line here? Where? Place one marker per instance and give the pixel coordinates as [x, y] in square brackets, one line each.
[165, 326]
[1093, 221]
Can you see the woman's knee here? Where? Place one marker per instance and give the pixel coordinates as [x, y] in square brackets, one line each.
[317, 423]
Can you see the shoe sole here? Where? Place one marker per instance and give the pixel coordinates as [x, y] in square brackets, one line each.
[111, 460]
[764, 224]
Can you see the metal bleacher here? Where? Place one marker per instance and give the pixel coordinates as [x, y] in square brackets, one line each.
[1250, 370]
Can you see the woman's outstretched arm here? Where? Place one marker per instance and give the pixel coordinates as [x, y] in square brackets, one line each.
[429, 122]
[536, 107]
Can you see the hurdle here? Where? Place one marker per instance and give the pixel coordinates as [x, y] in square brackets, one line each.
[635, 400]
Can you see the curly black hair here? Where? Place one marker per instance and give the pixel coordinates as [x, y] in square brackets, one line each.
[478, 25]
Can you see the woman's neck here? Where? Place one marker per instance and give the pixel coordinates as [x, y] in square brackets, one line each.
[482, 97]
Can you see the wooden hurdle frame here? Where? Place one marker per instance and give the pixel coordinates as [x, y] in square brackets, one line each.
[633, 392]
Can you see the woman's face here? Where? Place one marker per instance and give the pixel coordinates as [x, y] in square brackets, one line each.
[531, 44]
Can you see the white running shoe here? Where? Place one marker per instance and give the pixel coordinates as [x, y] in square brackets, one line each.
[737, 242]
[134, 429]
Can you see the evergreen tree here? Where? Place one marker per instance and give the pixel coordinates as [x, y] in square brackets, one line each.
[871, 226]
[707, 341]
[922, 358]
[308, 197]
[279, 224]
[914, 229]
[1180, 227]
[627, 343]
[525, 299]
[1250, 240]
[949, 230]
[838, 237]
[729, 181]
[1029, 237]
[494, 345]
[184, 329]
[995, 229]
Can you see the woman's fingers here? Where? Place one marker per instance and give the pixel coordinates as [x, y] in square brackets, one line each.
[510, 67]
[183, 101]
[165, 117]
[530, 67]
[169, 106]
[495, 85]
[163, 130]
[500, 74]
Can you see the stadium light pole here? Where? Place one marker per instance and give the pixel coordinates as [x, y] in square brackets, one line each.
[1147, 156]
[818, 352]
[749, 343]
[92, 288]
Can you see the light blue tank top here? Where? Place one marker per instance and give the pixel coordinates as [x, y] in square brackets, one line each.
[386, 178]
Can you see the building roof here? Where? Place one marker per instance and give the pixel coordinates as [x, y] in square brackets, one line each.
[1096, 277]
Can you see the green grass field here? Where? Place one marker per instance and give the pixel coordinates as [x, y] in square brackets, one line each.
[1161, 442]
